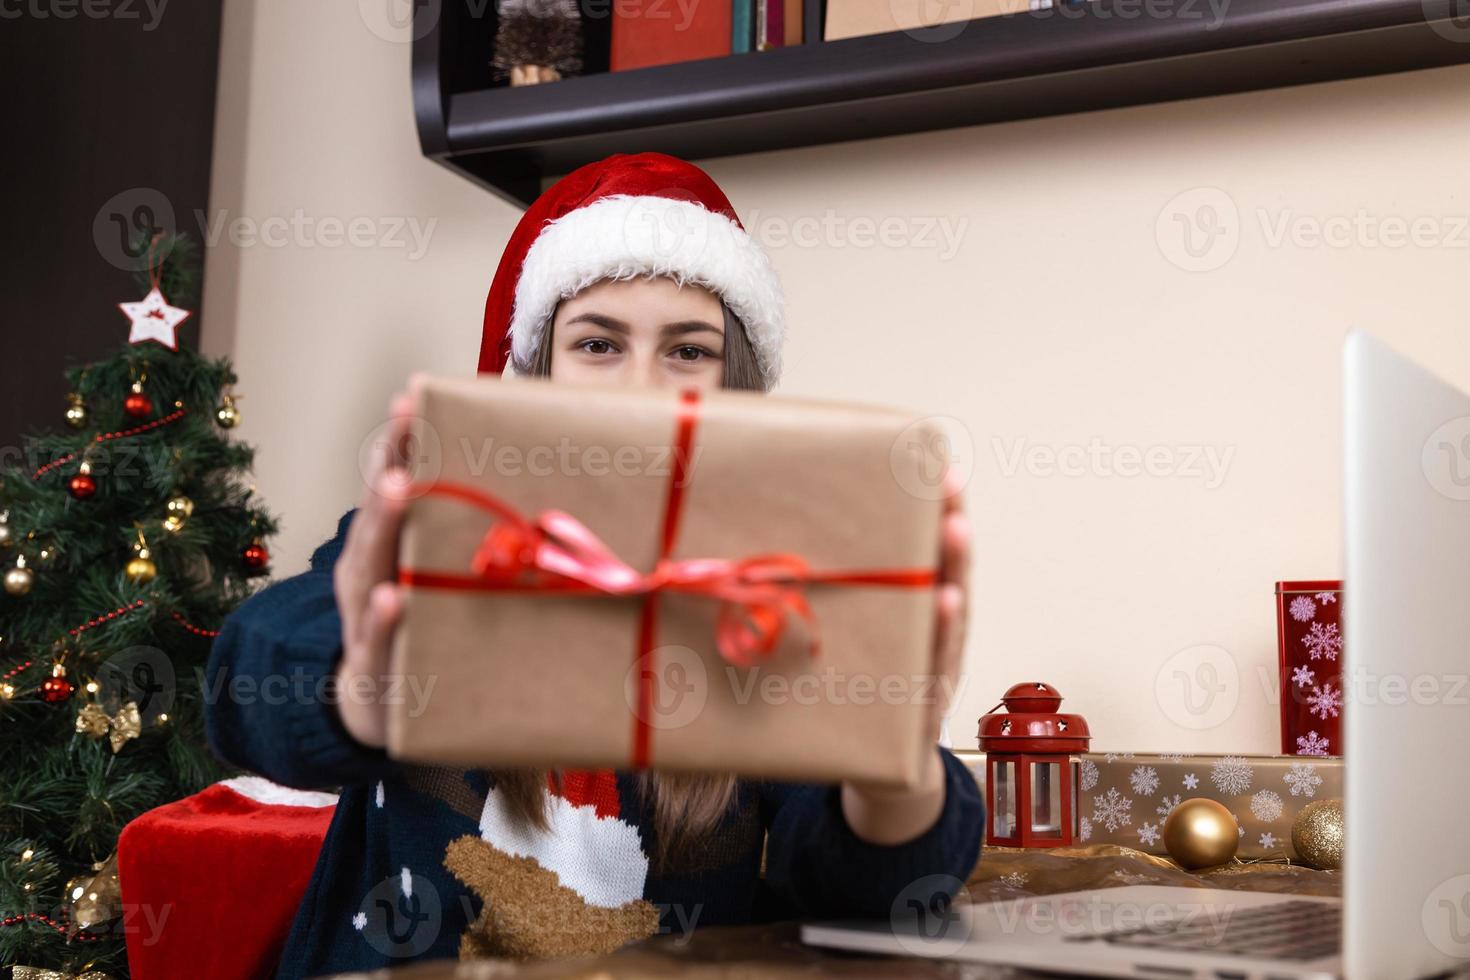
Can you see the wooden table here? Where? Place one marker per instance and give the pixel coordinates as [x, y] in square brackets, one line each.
[775, 952]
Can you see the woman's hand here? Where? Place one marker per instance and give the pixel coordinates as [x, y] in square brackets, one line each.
[364, 581]
[881, 815]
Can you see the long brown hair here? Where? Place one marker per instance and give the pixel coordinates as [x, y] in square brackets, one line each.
[686, 807]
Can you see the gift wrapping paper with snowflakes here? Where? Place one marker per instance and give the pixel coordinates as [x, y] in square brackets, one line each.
[1126, 797]
[1309, 638]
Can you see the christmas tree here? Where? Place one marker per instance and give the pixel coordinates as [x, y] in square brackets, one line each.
[125, 539]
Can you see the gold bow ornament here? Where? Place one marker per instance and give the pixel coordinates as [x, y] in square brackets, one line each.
[126, 724]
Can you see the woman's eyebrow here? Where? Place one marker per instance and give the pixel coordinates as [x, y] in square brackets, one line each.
[602, 320]
[681, 327]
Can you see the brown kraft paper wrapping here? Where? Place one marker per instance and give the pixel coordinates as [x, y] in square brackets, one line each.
[527, 679]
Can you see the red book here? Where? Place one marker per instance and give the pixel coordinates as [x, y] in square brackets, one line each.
[661, 32]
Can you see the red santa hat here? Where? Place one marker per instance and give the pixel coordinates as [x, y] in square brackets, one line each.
[642, 214]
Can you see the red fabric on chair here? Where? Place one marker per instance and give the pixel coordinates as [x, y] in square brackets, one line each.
[210, 883]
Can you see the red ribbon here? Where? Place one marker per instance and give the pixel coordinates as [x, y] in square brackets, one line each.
[556, 553]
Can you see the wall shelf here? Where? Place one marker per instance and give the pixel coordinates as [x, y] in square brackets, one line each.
[1072, 59]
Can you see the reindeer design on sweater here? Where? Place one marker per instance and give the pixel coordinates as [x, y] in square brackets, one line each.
[575, 888]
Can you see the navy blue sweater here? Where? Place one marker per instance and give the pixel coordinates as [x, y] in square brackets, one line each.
[420, 862]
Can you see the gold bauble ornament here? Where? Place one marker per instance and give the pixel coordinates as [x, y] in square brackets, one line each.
[20, 972]
[76, 411]
[227, 415]
[141, 571]
[100, 900]
[1317, 834]
[18, 580]
[1201, 833]
[5, 534]
[179, 509]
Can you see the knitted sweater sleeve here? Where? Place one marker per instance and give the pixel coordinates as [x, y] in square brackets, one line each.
[269, 685]
[824, 870]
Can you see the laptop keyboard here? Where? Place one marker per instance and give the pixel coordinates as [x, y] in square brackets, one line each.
[1290, 930]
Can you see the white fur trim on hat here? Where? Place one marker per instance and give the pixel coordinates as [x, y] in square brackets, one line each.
[623, 236]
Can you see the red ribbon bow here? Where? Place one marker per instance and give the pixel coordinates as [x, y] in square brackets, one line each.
[555, 552]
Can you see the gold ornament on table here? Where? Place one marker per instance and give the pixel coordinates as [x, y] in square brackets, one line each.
[227, 415]
[1201, 833]
[127, 724]
[1317, 833]
[140, 569]
[179, 509]
[18, 580]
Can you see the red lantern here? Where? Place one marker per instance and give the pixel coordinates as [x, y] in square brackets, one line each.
[1030, 775]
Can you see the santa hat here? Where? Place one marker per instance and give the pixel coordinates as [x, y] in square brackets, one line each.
[629, 215]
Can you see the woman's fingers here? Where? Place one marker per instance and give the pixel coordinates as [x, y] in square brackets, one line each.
[369, 555]
[949, 644]
[953, 598]
[954, 563]
[363, 708]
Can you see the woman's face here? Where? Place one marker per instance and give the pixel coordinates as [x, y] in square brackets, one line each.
[646, 332]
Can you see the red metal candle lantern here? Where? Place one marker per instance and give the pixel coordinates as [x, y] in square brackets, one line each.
[1030, 775]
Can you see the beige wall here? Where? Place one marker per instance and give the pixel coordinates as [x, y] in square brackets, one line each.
[1062, 316]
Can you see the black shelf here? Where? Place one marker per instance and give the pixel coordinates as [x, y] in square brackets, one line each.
[1071, 59]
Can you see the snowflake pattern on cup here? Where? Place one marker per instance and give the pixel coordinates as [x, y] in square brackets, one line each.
[1323, 641]
[1311, 744]
[1325, 701]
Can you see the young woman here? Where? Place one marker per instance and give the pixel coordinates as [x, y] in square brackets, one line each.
[633, 271]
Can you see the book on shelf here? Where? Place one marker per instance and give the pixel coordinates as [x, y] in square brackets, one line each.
[661, 32]
[857, 18]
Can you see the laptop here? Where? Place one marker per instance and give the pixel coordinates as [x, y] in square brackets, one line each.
[1405, 907]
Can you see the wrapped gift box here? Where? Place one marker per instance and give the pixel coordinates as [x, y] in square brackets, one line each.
[1125, 797]
[610, 577]
[1309, 644]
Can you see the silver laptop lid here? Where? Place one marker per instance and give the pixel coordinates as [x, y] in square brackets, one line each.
[1406, 614]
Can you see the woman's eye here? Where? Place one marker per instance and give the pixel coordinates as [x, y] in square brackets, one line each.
[595, 346]
[691, 353]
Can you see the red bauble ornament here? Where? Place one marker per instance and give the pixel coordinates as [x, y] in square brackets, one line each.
[256, 557]
[56, 689]
[82, 486]
[138, 405]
